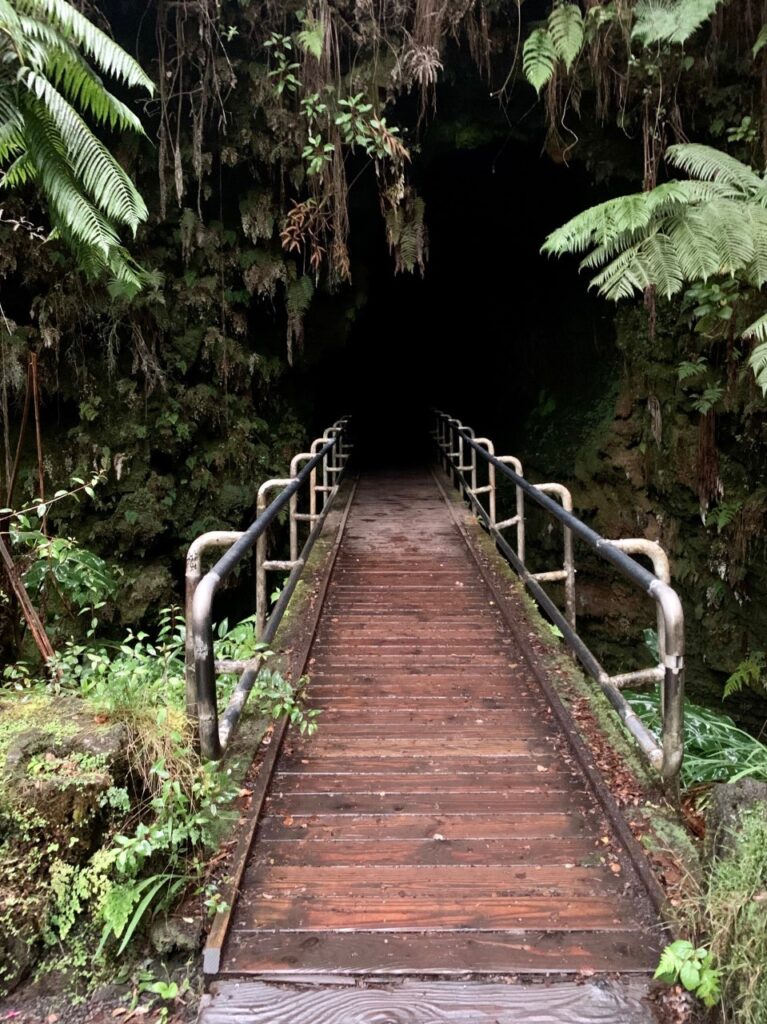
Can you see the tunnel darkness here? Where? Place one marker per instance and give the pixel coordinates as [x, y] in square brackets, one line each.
[491, 332]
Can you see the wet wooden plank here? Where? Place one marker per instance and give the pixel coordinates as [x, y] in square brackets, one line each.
[413, 912]
[398, 746]
[527, 782]
[463, 881]
[415, 766]
[377, 852]
[532, 952]
[436, 826]
[487, 804]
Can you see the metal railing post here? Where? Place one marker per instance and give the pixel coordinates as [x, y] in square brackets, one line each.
[567, 573]
[212, 539]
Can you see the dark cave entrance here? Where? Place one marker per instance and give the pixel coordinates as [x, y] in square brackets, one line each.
[493, 330]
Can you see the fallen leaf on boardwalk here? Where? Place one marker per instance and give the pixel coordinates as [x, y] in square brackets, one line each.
[439, 837]
[288, 821]
[120, 1011]
[267, 896]
[615, 868]
[541, 768]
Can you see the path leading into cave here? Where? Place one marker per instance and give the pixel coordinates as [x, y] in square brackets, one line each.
[438, 837]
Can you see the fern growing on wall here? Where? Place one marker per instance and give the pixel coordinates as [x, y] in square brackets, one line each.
[406, 234]
[298, 297]
[49, 58]
[711, 224]
[558, 43]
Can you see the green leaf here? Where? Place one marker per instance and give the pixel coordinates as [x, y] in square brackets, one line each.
[566, 32]
[539, 57]
[689, 975]
[761, 41]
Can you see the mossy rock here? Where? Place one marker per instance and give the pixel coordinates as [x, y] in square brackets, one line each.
[57, 760]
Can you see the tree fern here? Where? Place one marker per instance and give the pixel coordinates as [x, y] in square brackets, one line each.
[711, 224]
[47, 88]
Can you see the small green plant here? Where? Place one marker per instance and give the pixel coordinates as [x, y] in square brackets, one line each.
[715, 749]
[749, 673]
[683, 963]
[283, 74]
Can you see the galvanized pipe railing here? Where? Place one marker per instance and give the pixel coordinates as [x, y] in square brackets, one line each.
[328, 457]
[664, 754]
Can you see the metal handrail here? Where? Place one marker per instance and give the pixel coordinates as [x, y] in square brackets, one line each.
[329, 454]
[452, 440]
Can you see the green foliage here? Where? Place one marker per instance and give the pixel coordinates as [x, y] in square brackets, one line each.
[711, 225]
[670, 21]
[407, 235]
[283, 74]
[682, 962]
[46, 86]
[311, 38]
[161, 825]
[723, 514]
[734, 917]
[561, 40]
[751, 673]
[761, 41]
[566, 31]
[539, 58]
[715, 749]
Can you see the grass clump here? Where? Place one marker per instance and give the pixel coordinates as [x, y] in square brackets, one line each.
[734, 914]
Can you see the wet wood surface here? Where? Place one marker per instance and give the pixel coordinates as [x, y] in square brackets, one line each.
[437, 822]
[428, 1003]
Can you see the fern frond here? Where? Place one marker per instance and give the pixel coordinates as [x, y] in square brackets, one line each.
[566, 31]
[20, 172]
[70, 208]
[757, 331]
[311, 38]
[92, 163]
[539, 58]
[105, 53]
[67, 71]
[696, 251]
[758, 358]
[670, 21]
[713, 165]
[11, 132]
[10, 27]
[727, 226]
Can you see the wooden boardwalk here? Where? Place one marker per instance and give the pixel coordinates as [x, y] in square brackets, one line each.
[438, 822]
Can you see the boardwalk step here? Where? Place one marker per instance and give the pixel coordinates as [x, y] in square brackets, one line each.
[427, 1003]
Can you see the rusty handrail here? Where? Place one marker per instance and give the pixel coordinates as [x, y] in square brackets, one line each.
[452, 440]
[329, 455]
